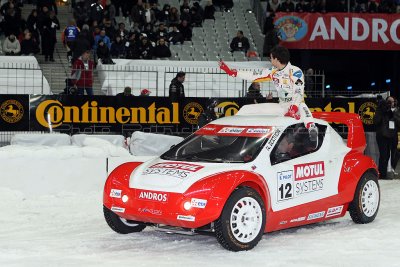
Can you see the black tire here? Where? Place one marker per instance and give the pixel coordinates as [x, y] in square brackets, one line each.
[365, 204]
[225, 231]
[121, 225]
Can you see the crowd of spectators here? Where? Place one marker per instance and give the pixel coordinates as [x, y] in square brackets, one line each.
[31, 35]
[146, 30]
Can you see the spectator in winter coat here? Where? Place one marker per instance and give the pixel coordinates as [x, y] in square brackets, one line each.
[240, 43]
[82, 74]
[32, 24]
[145, 49]
[175, 37]
[50, 25]
[176, 88]
[103, 53]
[162, 50]
[118, 48]
[28, 46]
[122, 32]
[162, 31]
[209, 10]
[11, 46]
[104, 37]
[185, 30]
[96, 11]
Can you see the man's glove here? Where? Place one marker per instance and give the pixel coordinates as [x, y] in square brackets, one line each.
[293, 112]
[224, 67]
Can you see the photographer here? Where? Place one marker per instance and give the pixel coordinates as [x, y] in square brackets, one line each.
[387, 123]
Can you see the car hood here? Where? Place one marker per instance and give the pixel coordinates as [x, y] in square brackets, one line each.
[176, 176]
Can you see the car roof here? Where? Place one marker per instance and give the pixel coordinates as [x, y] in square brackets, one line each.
[266, 114]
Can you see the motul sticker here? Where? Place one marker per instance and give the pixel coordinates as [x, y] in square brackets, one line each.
[309, 170]
[188, 218]
[334, 211]
[178, 166]
[231, 130]
[177, 170]
[152, 196]
[116, 193]
[118, 209]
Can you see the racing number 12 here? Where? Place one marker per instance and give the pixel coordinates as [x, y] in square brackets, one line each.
[285, 185]
[287, 189]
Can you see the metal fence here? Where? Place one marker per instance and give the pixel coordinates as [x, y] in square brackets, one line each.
[111, 79]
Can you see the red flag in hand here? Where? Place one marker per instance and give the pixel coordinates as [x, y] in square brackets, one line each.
[224, 67]
[293, 112]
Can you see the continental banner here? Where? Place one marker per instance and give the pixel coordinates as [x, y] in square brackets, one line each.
[73, 114]
[339, 31]
[14, 112]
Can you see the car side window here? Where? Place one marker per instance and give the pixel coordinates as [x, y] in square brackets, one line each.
[295, 142]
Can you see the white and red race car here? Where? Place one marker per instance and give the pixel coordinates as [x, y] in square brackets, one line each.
[246, 175]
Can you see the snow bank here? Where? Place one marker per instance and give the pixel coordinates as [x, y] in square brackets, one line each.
[41, 139]
[149, 144]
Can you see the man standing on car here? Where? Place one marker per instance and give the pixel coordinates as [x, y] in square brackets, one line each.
[176, 88]
[289, 84]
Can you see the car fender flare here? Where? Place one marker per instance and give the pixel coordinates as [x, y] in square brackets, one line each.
[355, 165]
[119, 178]
[222, 185]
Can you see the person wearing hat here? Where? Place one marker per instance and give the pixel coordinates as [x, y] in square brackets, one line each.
[82, 74]
[176, 88]
[145, 92]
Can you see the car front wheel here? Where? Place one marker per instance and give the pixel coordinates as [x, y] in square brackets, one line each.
[121, 225]
[242, 221]
[365, 204]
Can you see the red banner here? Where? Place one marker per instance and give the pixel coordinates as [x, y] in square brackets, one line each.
[339, 31]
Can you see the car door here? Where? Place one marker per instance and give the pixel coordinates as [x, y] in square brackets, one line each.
[299, 173]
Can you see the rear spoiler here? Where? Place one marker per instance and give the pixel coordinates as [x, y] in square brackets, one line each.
[356, 136]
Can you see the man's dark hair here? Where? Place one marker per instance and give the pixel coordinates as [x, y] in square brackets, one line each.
[180, 74]
[281, 53]
[241, 32]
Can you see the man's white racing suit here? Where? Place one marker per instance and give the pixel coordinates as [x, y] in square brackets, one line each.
[289, 84]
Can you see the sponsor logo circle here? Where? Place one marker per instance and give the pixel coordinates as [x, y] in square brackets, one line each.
[367, 112]
[291, 28]
[11, 111]
[192, 112]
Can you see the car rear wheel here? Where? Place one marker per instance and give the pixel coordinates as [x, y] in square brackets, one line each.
[242, 221]
[121, 225]
[365, 204]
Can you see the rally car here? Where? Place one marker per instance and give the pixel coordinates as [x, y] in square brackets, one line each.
[245, 175]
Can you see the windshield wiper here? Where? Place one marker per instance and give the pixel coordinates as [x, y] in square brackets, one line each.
[196, 158]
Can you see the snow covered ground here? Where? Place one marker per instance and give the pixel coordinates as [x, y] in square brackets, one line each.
[57, 220]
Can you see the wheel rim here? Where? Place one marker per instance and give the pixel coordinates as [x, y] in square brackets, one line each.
[370, 198]
[125, 221]
[246, 219]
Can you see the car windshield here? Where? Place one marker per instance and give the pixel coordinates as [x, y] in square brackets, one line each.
[216, 148]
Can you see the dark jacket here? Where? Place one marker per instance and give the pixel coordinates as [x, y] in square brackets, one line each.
[176, 90]
[162, 51]
[382, 117]
[240, 44]
[118, 49]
